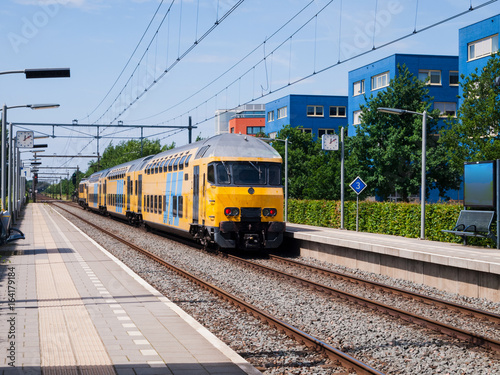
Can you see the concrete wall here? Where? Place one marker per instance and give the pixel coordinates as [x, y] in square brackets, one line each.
[449, 278]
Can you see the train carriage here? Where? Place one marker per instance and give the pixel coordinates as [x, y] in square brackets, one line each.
[225, 190]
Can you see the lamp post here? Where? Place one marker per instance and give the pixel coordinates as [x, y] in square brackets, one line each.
[399, 112]
[29, 73]
[3, 139]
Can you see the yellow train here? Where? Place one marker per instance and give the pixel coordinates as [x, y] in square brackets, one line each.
[225, 190]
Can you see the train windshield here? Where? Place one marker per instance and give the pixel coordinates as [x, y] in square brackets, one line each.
[244, 173]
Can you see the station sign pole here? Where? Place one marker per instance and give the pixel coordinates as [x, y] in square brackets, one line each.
[358, 186]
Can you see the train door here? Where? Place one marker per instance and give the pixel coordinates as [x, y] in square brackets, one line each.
[129, 187]
[196, 192]
[139, 193]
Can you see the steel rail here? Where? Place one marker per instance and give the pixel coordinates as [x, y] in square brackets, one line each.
[481, 314]
[333, 353]
[446, 329]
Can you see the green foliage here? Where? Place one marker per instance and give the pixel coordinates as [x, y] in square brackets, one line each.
[398, 219]
[312, 172]
[386, 151]
[126, 151]
[475, 134]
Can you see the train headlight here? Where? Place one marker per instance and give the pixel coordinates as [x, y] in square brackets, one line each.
[270, 212]
[231, 211]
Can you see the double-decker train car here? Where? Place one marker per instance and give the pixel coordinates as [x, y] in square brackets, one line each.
[225, 190]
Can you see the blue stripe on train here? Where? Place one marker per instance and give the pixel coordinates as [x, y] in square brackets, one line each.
[172, 191]
[119, 191]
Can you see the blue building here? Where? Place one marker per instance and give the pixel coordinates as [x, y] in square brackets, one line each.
[476, 43]
[315, 114]
[442, 72]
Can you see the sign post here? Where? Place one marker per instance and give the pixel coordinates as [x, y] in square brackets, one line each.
[358, 186]
[330, 142]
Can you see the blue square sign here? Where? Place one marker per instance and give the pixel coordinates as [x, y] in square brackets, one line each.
[358, 185]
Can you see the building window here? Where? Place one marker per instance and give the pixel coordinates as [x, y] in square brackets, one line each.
[315, 111]
[356, 117]
[321, 132]
[281, 112]
[432, 77]
[453, 78]
[270, 116]
[337, 111]
[446, 108]
[380, 80]
[483, 47]
[358, 87]
[306, 130]
[255, 129]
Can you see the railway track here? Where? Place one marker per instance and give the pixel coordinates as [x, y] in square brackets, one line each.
[347, 361]
[449, 330]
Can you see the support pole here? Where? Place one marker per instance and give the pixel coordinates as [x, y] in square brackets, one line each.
[10, 199]
[190, 130]
[4, 159]
[498, 202]
[422, 198]
[342, 178]
[286, 179]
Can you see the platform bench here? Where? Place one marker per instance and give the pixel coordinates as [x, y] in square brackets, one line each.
[472, 223]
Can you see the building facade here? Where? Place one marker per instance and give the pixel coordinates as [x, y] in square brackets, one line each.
[440, 71]
[315, 114]
[242, 124]
[223, 116]
[476, 44]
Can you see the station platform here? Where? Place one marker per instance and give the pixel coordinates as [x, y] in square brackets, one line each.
[70, 307]
[455, 268]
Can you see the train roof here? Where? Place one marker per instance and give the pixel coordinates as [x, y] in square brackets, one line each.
[223, 146]
[237, 145]
[227, 145]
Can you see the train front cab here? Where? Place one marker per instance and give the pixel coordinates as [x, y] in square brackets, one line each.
[83, 193]
[240, 203]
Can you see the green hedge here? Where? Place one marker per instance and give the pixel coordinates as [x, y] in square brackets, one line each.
[399, 219]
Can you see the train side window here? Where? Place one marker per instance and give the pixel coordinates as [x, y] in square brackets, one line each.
[186, 176]
[170, 165]
[156, 167]
[180, 205]
[162, 165]
[164, 202]
[211, 173]
[156, 204]
[135, 187]
[174, 206]
[176, 163]
[223, 174]
[147, 203]
[181, 163]
[159, 205]
[275, 175]
[186, 163]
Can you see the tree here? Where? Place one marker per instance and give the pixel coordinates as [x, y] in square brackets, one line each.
[126, 151]
[474, 134]
[312, 172]
[386, 151]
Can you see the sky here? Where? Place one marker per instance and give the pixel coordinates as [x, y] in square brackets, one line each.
[154, 62]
